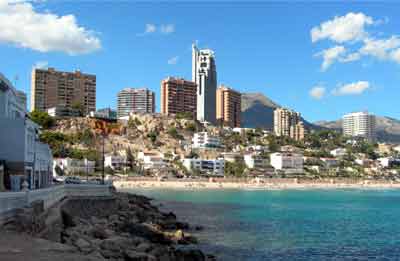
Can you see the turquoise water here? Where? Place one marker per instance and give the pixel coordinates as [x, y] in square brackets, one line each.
[291, 224]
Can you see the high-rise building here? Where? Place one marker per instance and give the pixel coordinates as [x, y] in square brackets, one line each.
[288, 123]
[135, 100]
[51, 88]
[178, 96]
[204, 74]
[228, 106]
[359, 124]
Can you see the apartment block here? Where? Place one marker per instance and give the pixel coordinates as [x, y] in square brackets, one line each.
[178, 96]
[228, 106]
[51, 88]
[135, 100]
[359, 124]
[288, 123]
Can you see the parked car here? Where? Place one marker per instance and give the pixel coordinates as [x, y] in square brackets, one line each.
[73, 180]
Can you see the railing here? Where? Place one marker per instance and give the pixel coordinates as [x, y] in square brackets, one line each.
[11, 201]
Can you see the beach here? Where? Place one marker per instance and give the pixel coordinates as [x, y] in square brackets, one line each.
[256, 183]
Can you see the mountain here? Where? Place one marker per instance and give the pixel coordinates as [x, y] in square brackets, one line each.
[258, 111]
[388, 129]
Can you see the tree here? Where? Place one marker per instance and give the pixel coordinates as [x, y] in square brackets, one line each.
[184, 115]
[77, 105]
[152, 136]
[235, 169]
[174, 133]
[191, 127]
[42, 118]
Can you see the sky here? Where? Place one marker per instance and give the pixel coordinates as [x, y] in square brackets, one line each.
[321, 59]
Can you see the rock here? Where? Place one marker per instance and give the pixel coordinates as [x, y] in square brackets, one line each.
[138, 256]
[189, 255]
[84, 245]
[100, 232]
[143, 247]
[145, 231]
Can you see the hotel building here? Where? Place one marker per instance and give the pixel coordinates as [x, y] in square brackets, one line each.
[178, 96]
[228, 107]
[359, 124]
[132, 100]
[288, 123]
[51, 88]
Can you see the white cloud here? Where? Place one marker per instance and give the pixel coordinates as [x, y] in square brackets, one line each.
[395, 55]
[150, 28]
[318, 92]
[341, 29]
[380, 48]
[331, 55]
[40, 65]
[167, 28]
[23, 26]
[173, 60]
[355, 88]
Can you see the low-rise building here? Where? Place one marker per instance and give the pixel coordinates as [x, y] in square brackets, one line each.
[151, 160]
[74, 166]
[116, 162]
[63, 111]
[255, 161]
[397, 148]
[205, 140]
[287, 162]
[389, 162]
[206, 166]
[232, 156]
[384, 148]
[338, 152]
[25, 158]
[106, 113]
[330, 162]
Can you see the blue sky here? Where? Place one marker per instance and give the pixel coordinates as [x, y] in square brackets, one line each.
[348, 62]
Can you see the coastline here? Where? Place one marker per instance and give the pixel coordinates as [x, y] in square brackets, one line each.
[255, 185]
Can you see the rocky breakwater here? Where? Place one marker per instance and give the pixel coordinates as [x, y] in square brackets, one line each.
[126, 227]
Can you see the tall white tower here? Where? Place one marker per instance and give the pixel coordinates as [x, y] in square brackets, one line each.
[204, 74]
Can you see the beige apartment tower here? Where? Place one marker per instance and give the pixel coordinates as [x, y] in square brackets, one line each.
[228, 106]
[51, 88]
[178, 96]
[288, 123]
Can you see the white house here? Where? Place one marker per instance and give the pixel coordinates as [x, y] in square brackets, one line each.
[151, 160]
[115, 162]
[288, 162]
[205, 140]
[330, 162]
[339, 152]
[74, 166]
[397, 148]
[208, 166]
[25, 157]
[254, 161]
[388, 162]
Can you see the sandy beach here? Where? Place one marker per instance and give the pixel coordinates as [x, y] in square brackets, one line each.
[267, 184]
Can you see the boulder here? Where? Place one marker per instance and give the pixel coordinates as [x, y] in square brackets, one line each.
[138, 256]
[84, 245]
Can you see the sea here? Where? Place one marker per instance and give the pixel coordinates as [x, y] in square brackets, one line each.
[338, 224]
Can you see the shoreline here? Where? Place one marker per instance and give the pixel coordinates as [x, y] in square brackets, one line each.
[264, 185]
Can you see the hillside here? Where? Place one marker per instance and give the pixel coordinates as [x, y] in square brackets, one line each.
[388, 129]
[144, 132]
[258, 111]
